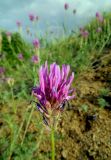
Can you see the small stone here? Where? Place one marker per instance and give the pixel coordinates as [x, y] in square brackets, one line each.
[64, 153]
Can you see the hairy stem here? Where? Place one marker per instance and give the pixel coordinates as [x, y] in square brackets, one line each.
[53, 143]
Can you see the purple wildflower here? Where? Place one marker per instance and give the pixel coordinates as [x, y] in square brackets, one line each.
[66, 6]
[97, 14]
[20, 56]
[18, 23]
[35, 59]
[2, 70]
[36, 43]
[32, 17]
[84, 33]
[54, 89]
[99, 17]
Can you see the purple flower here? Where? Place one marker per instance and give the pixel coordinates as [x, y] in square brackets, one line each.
[2, 70]
[36, 43]
[18, 23]
[97, 14]
[66, 6]
[99, 29]
[84, 33]
[20, 56]
[54, 89]
[99, 17]
[35, 59]
[32, 17]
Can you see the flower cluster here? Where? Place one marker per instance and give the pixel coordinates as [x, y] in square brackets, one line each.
[54, 90]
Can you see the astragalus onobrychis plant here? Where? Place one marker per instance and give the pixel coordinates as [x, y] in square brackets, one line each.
[52, 94]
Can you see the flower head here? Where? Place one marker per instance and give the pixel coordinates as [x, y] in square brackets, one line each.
[2, 70]
[32, 17]
[35, 59]
[54, 89]
[18, 24]
[99, 17]
[97, 14]
[66, 6]
[36, 43]
[20, 56]
[84, 33]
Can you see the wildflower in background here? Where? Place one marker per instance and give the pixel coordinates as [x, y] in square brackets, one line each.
[2, 70]
[32, 17]
[35, 59]
[20, 56]
[54, 90]
[99, 17]
[66, 6]
[36, 43]
[84, 33]
[99, 29]
[19, 24]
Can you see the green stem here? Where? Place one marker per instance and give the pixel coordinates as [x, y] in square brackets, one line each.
[27, 125]
[53, 143]
[34, 74]
[13, 103]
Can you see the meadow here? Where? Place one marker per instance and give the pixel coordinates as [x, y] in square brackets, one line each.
[83, 130]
